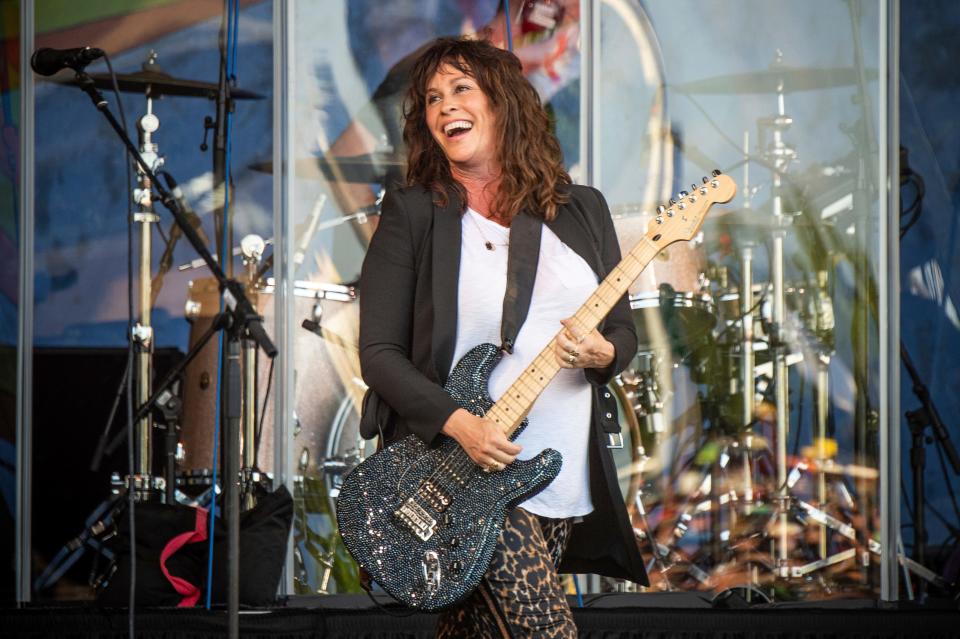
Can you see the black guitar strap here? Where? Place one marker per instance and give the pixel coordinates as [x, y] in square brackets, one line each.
[523, 255]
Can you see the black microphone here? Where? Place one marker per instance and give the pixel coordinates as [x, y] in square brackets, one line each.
[47, 61]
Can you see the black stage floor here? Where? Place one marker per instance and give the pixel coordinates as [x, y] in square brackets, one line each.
[613, 616]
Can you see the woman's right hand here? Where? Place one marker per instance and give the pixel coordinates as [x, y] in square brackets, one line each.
[483, 440]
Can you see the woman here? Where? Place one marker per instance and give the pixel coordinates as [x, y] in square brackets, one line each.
[481, 160]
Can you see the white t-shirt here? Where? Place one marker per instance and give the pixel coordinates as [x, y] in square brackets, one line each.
[560, 418]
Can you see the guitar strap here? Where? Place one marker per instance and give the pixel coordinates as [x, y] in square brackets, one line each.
[523, 254]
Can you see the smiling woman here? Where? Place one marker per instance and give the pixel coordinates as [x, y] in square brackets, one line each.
[484, 171]
[508, 151]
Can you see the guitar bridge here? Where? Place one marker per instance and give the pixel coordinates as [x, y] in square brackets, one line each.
[417, 520]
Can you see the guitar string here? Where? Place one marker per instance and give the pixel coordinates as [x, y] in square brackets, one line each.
[464, 463]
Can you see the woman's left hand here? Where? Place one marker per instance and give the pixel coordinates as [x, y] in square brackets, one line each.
[576, 349]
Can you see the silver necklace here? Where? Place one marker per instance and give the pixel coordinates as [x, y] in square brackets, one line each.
[490, 246]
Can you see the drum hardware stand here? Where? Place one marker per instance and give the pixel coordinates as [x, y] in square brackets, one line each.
[243, 321]
[100, 527]
[823, 325]
[251, 247]
[170, 406]
[143, 330]
[779, 155]
[648, 404]
[660, 552]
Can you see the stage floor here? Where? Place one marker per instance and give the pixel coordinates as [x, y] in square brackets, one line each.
[611, 616]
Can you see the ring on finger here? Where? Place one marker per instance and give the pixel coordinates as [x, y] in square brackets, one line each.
[572, 358]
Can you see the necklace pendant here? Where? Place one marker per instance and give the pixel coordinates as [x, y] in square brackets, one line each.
[489, 245]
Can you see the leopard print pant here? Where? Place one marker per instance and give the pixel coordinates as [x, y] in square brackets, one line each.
[521, 595]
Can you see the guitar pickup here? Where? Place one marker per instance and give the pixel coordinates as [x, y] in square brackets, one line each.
[417, 520]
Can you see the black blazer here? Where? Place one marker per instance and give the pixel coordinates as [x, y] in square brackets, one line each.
[408, 322]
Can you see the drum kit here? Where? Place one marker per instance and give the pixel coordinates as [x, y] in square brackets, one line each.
[716, 501]
[324, 438]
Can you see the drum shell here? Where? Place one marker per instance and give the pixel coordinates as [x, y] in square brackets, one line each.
[681, 264]
[325, 374]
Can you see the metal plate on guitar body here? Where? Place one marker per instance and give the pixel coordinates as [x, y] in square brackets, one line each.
[424, 522]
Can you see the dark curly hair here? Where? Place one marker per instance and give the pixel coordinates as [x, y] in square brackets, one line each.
[532, 173]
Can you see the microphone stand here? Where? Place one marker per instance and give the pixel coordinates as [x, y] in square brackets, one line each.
[244, 324]
[918, 420]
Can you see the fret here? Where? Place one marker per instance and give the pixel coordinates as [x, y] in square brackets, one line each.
[530, 392]
[524, 391]
[511, 406]
[497, 416]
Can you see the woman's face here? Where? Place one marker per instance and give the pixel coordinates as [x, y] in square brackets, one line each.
[461, 121]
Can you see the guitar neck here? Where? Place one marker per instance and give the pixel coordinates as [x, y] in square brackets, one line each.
[517, 401]
[678, 222]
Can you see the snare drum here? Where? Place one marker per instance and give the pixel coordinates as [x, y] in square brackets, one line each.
[671, 308]
[679, 320]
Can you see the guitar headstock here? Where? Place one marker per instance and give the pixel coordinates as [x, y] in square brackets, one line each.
[681, 219]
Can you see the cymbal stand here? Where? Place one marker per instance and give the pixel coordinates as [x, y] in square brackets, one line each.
[251, 247]
[826, 521]
[143, 330]
[747, 357]
[244, 322]
[779, 154]
[823, 324]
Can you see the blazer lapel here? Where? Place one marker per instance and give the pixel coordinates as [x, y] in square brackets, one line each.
[574, 233]
[446, 279]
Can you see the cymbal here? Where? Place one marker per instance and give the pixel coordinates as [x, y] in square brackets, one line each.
[157, 83]
[768, 81]
[366, 168]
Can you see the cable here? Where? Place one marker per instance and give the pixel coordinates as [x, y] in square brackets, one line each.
[263, 414]
[508, 20]
[916, 207]
[131, 461]
[227, 45]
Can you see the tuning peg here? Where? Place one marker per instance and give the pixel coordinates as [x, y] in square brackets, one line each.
[705, 179]
[693, 187]
[661, 209]
[672, 201]
[683, 194]
[715, 172]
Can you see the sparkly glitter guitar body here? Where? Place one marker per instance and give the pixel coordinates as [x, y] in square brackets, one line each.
[424, 522]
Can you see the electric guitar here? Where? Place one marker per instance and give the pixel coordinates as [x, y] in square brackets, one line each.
[423, 522]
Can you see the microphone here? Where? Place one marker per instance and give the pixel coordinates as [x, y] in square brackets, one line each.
[46, 61]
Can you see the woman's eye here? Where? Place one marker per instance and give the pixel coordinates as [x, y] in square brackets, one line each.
[432, 98]
[463, 87]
